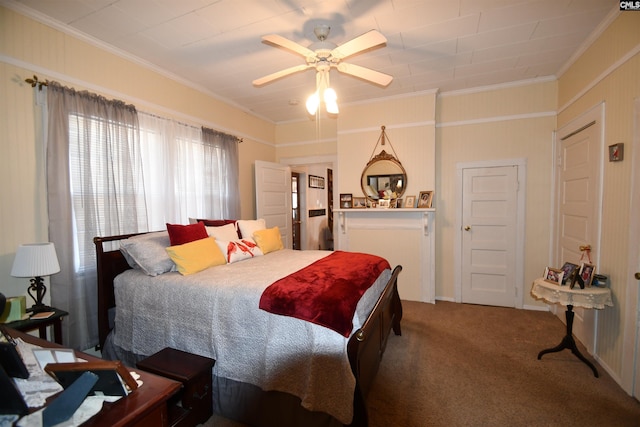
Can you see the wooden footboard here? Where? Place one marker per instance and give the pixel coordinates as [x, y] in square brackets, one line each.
[365, 346]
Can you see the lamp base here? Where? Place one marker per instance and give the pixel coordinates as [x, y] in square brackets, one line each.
[38, 308]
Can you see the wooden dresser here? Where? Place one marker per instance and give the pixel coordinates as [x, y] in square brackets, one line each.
[145, 406]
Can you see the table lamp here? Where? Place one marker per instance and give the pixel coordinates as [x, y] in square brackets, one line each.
[36, 260]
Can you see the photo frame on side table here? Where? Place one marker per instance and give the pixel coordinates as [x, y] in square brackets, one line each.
[553, 275]
[569, 269]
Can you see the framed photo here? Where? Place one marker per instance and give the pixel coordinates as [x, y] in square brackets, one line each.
[384, 203]
[553, 275]
[425, 199]
[410, 202]
[398, 203]
[316, 181]
[346, 200]
[586, 273]
[359, 202]
[569, 270]
[616, 152]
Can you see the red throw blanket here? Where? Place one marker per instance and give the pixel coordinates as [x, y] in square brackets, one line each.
[327, 291]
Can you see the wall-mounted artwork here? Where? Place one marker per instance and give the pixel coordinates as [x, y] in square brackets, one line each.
[316, 181]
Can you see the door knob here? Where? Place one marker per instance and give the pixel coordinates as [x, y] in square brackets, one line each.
[637, 275]
[467, 228]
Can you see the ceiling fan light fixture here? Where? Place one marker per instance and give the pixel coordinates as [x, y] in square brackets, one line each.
[332, 107]
[312, 103]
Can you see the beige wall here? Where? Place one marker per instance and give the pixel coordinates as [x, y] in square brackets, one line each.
[28, 47]
[507, 123]
[430, 134]
[609, 72]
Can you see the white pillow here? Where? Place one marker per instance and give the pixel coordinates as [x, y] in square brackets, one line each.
[238, 250]
[248, 227]
[224, 232]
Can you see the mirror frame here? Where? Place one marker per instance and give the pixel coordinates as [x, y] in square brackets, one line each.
[383, 156]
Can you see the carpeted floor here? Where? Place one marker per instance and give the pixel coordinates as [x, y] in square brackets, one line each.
[471, 365]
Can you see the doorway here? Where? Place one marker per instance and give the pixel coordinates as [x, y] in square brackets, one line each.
[296, 219]
[578, 201]
[490, 233]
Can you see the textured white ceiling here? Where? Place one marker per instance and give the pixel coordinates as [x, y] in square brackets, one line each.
[445, 44]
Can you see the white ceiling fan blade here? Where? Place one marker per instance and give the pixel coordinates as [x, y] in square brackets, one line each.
[366, 41]
[282, 73]
[294, 47]
[365, 73]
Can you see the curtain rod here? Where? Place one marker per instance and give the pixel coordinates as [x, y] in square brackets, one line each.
[35, 82]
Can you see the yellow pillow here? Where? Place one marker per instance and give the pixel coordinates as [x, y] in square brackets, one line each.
[268, 240]
[196, 256]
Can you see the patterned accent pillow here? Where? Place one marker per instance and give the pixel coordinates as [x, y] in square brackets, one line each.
[147, 252]
[239, 250]
[181, 234]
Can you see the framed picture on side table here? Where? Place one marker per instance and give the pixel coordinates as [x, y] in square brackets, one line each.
[553, 275]
[569, 269]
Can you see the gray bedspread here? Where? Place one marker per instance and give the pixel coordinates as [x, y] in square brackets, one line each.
[215, 313]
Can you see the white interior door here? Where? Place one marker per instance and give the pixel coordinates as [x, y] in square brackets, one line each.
[489, 235]
[631, 339]
[273, 197]
[578, 203]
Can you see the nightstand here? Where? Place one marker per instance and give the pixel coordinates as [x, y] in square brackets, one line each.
[194, 404]
[41, 324]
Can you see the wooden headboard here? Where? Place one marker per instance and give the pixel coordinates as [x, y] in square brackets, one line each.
[109, 265]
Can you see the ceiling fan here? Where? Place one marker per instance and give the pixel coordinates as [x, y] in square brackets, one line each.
[324, 55]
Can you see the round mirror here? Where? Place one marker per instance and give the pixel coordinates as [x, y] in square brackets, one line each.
[382, 176]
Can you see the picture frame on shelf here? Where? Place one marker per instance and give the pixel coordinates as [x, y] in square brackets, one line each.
[425, 199]
[359, 202]
[410, 202]
[346, 200]
[384, 203]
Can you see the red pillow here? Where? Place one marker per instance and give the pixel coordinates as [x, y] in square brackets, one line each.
[216, 222]
[181, 234]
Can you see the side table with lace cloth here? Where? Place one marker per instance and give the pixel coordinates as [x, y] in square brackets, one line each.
[590, 298]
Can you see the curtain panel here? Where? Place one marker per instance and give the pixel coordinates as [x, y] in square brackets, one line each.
[113, 170]
[223, 172]
[93, 189]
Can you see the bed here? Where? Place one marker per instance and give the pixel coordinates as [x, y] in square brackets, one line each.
[153, 311]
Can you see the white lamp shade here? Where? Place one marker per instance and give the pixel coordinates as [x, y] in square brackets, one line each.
[35, 260]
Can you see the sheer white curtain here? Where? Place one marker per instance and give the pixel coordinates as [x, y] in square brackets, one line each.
[188, 172]
[95, 188]
[112, 170]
